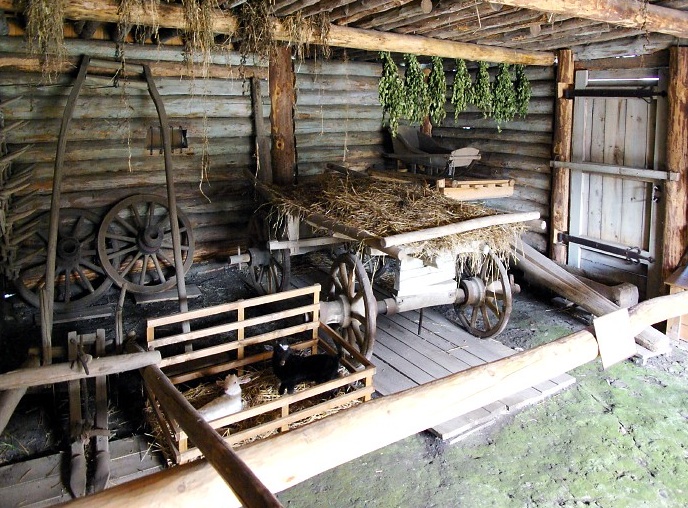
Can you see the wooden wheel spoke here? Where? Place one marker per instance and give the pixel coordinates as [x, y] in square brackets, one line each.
[474, 316]
[121, 238]
[83, 280]
[77, 226]
[165, 259]
[131, 264]
[491, 305]
[67, 287]
[486, 318]
[123, 222]
[121, 253]
[151, 214]
[144, 269]
[169, 246]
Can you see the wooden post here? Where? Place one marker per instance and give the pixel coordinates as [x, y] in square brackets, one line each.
[282, 100]
[561, 151]
[676, 206]
[264, 164]
[287, 459]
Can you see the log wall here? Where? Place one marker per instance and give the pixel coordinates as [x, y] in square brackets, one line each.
[107, 159]
[338, 116]
[521, 151]
[337, 119]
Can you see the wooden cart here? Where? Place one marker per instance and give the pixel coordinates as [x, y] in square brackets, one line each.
[482, 295]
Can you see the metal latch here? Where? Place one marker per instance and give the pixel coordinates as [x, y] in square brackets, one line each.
[632, 254]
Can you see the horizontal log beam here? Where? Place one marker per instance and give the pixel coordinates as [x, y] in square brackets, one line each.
[630, 14]
[60, 372]
[172, 16]
[287, 459]
[458, 227]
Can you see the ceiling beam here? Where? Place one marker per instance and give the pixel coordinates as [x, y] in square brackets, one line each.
[626, 13]
[172, 16]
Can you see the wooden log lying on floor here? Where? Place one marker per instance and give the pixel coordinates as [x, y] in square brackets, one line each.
[547, 273]
[287, 459]
[9, 399]
[60, 372]
[219, 453]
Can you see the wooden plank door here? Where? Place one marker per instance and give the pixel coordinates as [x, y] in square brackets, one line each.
[614, 210]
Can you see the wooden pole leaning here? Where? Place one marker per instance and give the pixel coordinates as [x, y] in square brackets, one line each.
[287, 459]
[171, 197]
[234, 471]
[47, 296]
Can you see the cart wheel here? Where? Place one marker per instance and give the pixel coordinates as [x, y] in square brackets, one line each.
[269, 271]
[488, 304]
[79, 278]
[375, 266]
[349, 283]
[135, 244]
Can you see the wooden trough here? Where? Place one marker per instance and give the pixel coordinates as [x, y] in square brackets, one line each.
[230, 343]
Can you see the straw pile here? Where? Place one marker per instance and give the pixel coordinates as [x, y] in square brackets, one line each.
[389, 208]
[262, 389]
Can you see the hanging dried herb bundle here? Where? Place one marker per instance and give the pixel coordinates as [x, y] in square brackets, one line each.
[481, 91]
[302, 30]
[437, 88]
[257, 34]
[45, 33]
[523, 91]
[503, 96]
[416, 89]
[199, 38]
[461, 89]
[391, 93]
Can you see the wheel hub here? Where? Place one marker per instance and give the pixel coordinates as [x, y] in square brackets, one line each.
[474, 289]
[150, 240]
[69, 251]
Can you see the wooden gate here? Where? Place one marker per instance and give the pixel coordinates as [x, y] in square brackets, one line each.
[617, 177]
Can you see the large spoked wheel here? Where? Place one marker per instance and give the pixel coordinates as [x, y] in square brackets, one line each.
[80, 280]
[135, 244]
[488, 304]
[269, 270]
[349, 283]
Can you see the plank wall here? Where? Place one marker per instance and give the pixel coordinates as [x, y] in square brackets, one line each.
[107, 159]
[521, 151]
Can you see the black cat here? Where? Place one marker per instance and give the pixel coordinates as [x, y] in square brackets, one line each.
[292, 369]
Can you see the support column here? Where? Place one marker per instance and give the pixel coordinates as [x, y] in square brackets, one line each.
[282, 100]
[675, 220]
[561, 151]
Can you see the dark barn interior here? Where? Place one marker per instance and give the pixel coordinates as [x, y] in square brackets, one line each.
[183, 183]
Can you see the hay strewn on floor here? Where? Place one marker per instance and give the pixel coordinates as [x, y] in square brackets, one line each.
[388, 208]
[263, 388]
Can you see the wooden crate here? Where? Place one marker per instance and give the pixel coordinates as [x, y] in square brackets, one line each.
[230, 325]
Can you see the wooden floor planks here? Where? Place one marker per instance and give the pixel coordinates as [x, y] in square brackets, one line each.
[404, 359]
[38, 482]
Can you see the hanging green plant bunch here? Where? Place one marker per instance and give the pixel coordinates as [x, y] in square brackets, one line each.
[481, 91]
[461, 89]
[417, 96]
[391, 93]
[437, 87]
[503, 96]
[523, 91]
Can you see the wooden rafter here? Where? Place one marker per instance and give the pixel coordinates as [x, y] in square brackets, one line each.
[626, 13]
[172, 16]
